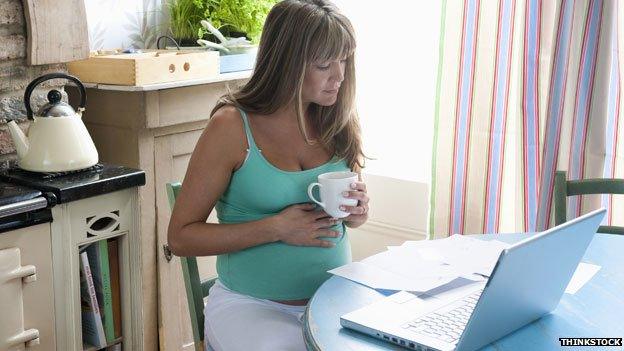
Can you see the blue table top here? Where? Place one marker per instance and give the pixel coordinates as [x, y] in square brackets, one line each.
[596, 310]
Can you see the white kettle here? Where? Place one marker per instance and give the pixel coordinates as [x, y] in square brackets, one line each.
[57, 138]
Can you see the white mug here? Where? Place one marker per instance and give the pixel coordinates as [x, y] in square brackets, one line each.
[331, 185]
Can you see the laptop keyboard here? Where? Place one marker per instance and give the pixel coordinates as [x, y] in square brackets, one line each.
[446, 325]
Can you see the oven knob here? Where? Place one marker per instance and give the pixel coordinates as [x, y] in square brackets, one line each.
[51, 197]
[25, 337]
[33, 342]
[30, 278]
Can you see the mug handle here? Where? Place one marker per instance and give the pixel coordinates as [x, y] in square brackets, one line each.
[310, 187]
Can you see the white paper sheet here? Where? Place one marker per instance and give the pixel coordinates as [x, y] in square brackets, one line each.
[420, 266]
[472, 255]
[584, 272]
[477, 256]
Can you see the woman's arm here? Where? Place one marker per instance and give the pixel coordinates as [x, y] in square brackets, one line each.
[220, 148]
[207, 239]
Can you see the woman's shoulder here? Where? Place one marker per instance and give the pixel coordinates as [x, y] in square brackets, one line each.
[225, 132]
[227, 123]
[226, 116]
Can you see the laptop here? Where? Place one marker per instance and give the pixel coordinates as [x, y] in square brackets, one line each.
[527, 282]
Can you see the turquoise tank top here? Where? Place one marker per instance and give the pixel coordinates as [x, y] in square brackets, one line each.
[275, 271]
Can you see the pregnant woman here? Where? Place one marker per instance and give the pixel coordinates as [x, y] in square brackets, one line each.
[264, 144]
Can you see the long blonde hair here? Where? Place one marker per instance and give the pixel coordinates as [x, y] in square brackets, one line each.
[297, 33]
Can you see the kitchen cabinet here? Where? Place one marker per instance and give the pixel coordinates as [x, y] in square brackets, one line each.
[74, 226]
[155, 128]
[99, 203]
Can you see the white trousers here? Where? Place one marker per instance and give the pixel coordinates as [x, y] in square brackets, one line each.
[235, 322]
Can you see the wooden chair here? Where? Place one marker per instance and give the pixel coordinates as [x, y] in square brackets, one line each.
[564, 188]
[196, 290]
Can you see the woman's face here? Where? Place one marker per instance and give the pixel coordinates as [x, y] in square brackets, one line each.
[322, 81]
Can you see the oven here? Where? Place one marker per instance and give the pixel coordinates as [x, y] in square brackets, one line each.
[26, 282]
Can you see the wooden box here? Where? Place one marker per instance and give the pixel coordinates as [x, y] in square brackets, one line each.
[148, 67]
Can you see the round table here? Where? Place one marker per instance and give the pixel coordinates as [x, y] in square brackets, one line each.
[596, 310]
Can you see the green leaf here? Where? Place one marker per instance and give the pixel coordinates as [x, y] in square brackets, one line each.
[245, 16]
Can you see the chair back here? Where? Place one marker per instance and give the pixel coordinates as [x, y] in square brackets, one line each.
[196, 290]
[564, 188]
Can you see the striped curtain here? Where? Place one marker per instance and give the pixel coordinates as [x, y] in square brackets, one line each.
[525, 88]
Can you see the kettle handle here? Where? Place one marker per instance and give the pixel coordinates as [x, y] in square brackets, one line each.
[43, 78]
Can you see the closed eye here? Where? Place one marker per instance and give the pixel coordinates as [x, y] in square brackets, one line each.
[327, 66]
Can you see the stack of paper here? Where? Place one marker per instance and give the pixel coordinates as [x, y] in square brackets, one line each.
[420, 266]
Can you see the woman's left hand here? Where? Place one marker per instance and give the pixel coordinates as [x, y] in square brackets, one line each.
[358, 214]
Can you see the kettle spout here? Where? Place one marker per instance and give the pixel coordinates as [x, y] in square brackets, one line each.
[19, 139]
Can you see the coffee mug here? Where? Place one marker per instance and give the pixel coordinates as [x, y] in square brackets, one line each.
[331, 185]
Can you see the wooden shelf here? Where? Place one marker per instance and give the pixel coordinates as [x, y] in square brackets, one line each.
[87, 347]
[69, 232]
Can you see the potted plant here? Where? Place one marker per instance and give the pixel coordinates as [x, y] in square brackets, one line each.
[184, 18]
[237, 54]
[237, 18]
[234, 28]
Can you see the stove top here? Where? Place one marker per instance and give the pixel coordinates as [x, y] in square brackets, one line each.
[70, 186]
[11, 193]
[50, 175]
[18, 211]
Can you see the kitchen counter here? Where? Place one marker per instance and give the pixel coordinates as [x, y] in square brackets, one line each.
[106, 179]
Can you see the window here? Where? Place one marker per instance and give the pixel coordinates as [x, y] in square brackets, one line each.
[396, 65]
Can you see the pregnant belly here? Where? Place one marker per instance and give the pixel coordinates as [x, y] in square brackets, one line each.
[282, 273]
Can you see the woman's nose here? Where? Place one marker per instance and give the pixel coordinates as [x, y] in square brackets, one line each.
[337, 72]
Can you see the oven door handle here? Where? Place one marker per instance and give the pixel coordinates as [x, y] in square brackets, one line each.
[23, 206]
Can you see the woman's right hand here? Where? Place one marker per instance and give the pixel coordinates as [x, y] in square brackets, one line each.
[301, 225]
